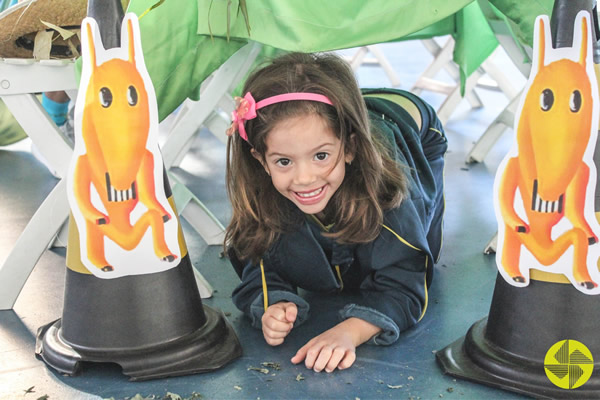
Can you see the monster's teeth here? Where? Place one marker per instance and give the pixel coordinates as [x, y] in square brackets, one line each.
[544, 206]
[119, 195]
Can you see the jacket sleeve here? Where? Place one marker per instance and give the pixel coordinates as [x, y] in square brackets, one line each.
[393, 295]
[248, 295]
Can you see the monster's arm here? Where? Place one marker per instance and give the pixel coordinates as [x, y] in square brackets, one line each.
[575, 201]
[146, 186]
[507, 190]
[81, 187]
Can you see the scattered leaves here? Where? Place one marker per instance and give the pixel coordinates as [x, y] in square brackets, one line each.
[261, 370]
[172, 396]
[228, 314]
[236, 387]
[395, 386]
[30, 390]
[450, 389]
[411, 378]
[299, 377]
[274, 365]
[380, 381]
[44, 397]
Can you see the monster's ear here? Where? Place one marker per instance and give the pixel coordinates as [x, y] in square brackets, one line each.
[541, 33]
[88, 27]
[130, 40]
[583, 51]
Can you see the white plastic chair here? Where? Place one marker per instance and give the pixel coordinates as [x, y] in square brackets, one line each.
[378, 59]
[443, 60]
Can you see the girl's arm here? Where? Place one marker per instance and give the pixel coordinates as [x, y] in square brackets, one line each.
[248, 296]
[336, 347]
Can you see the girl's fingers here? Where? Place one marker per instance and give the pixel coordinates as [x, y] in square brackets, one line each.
[291, 311]
[323, 359]
[348, 360]
[277, 326]
[312, 354]
[275, 311]
[300, 355]
[273, 342]
[274, 334]
[334, 360]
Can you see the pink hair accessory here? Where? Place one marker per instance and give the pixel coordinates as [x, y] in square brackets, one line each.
[244, 111]
[247, 106]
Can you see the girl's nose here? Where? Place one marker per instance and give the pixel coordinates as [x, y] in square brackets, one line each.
[304, 174]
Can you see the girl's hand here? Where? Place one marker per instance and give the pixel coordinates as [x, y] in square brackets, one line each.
[332, 349]
[278, 321]
[336, 347]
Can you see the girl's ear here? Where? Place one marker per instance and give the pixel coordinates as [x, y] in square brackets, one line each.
[350, 150]
[260, 159]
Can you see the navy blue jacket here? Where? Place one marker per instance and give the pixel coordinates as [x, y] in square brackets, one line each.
[387, 278]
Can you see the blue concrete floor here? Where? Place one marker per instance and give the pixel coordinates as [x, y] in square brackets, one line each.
[460, 295]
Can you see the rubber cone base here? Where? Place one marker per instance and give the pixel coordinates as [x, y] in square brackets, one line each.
[209, 348]
[507, 349]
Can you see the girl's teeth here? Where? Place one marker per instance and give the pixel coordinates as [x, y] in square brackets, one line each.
[311, 194]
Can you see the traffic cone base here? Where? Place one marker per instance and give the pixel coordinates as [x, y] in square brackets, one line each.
[207, 349]
[153, 325]
[507, 349]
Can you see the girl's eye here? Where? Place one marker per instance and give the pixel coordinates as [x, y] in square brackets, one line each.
[321, 156]
[283, 162]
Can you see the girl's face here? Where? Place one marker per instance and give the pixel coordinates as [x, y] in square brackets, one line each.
[304, 161]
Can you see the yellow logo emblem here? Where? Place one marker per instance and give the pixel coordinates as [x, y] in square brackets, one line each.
[568, 364]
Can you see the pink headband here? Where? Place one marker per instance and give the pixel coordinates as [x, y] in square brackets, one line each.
[246, 108]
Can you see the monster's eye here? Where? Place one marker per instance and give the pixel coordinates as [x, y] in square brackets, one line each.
[132, 96]
[546, 99]
[105, 97]
[575, 101]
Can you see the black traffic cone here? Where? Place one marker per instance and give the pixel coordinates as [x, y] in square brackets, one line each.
[528, 326]
[152, 324]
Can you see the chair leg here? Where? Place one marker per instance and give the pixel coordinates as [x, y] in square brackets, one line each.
[32, 243]
[452, 101]
[503, 121]
[450, 67]
[51, 143]
[492, 245]
[385, 64]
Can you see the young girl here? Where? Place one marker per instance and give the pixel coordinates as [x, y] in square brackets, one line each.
[335, 191]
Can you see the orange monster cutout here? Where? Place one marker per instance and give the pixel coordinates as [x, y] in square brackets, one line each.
[544, 188]
[115, 187]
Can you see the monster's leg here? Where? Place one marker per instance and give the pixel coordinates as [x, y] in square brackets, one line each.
[548, 251]
[511, 253]
[95, 247]
[128, 237]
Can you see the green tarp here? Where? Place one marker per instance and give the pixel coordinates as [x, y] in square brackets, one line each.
[184, 41]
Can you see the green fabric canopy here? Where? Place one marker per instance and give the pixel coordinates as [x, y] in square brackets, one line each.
[185, 41]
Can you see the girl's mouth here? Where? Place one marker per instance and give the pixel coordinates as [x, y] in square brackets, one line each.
[310, 194]
[312, 197]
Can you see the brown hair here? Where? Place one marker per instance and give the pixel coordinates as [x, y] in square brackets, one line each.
[373, 182]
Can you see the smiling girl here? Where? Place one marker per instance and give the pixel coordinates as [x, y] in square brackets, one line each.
[332, 190]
